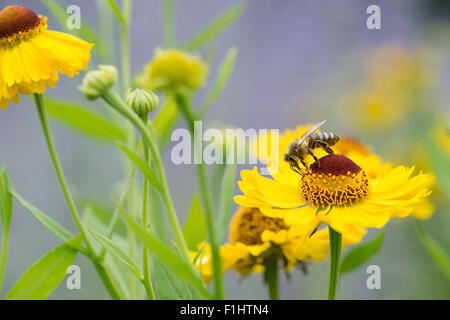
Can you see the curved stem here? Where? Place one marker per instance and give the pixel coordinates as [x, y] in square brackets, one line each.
[111, 287]
[335, 257]
[207, 199]
[271, 275]
[125, 44]
[114, 101]
[145, 258]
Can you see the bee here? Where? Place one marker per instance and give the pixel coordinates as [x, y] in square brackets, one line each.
[303, 146]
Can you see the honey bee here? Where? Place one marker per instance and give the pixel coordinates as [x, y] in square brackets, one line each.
[303, 146]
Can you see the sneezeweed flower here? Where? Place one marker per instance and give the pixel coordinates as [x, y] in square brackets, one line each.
[31, 55]
[173, 70]
[256, 240]
[362, 191]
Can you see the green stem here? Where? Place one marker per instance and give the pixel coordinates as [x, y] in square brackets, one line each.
[205, 190]
[271, 275]
[125, 44]
[169, 24]
[335, 257]
[112, 289]
[4, 256]
[145, 258]
[114, 101]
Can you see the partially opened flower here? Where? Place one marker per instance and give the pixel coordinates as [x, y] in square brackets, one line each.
[173, 70]
[362, 191]
[31, 56]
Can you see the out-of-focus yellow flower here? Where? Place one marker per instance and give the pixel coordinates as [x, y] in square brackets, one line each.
[173, 70]
[442, 135]
[362, 191]
[257, 240]
[31, 56]
[392, 86]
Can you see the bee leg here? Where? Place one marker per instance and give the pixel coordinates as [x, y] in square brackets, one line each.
[304, 163]
[325, 146]
[296, 168]
[314, 156]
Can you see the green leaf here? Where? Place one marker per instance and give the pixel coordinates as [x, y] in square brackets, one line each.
[84, 120]
[165, 120]
[51, 225]
[116, 252]
[361, 254]
[142, 166]
[194, 230]
[47, 273]
[183, 269]
[6, 205]
[225, 69]
[168, 286]
[227, 191]
[117, 12]
[435, 250]
[213, 29]
[440, 163]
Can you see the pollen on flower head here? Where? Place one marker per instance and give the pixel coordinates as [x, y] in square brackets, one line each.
[18, 22]
[334, 180]
[248, 224]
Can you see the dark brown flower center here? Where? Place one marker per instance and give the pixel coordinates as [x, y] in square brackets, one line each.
[334, 180]
[15, 20]
[250, 225]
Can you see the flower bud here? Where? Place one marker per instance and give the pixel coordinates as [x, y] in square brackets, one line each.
[96, 82]
[142, 102]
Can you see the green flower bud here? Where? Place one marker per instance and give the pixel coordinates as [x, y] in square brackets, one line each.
[96, 82]
[142, 101]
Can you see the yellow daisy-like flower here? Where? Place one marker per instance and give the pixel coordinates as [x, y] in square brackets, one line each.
[173, 70]
[362, 191]
[31, 56]
[257, 240]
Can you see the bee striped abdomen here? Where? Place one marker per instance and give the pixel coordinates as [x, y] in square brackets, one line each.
[328, 137]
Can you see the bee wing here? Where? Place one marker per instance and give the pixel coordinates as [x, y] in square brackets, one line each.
[310, 131]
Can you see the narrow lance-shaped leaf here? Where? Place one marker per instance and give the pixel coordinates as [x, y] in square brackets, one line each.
[172, 261]
[84, 120]
[194, 230]
[213, 29]
[228, 183]
[142, 166]
[51, 225]
[165, 120]
[6, 206]
[116, 252]
[435, 250]
[440, 164]
[39, 281]
[223, 74]
[361, 254]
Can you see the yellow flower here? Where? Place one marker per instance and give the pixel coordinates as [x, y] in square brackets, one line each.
[31, 56]
[363, 191]
[256, 240]
[173, 70]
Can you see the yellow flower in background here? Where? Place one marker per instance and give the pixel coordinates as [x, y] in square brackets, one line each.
[257, 240]
[363, 192]
[173, 70]
[392, 86]
[31, 56]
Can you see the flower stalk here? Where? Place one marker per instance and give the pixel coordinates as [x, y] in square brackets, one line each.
[335, 257]
[271, 276]
[205, 190]
[107, 280]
